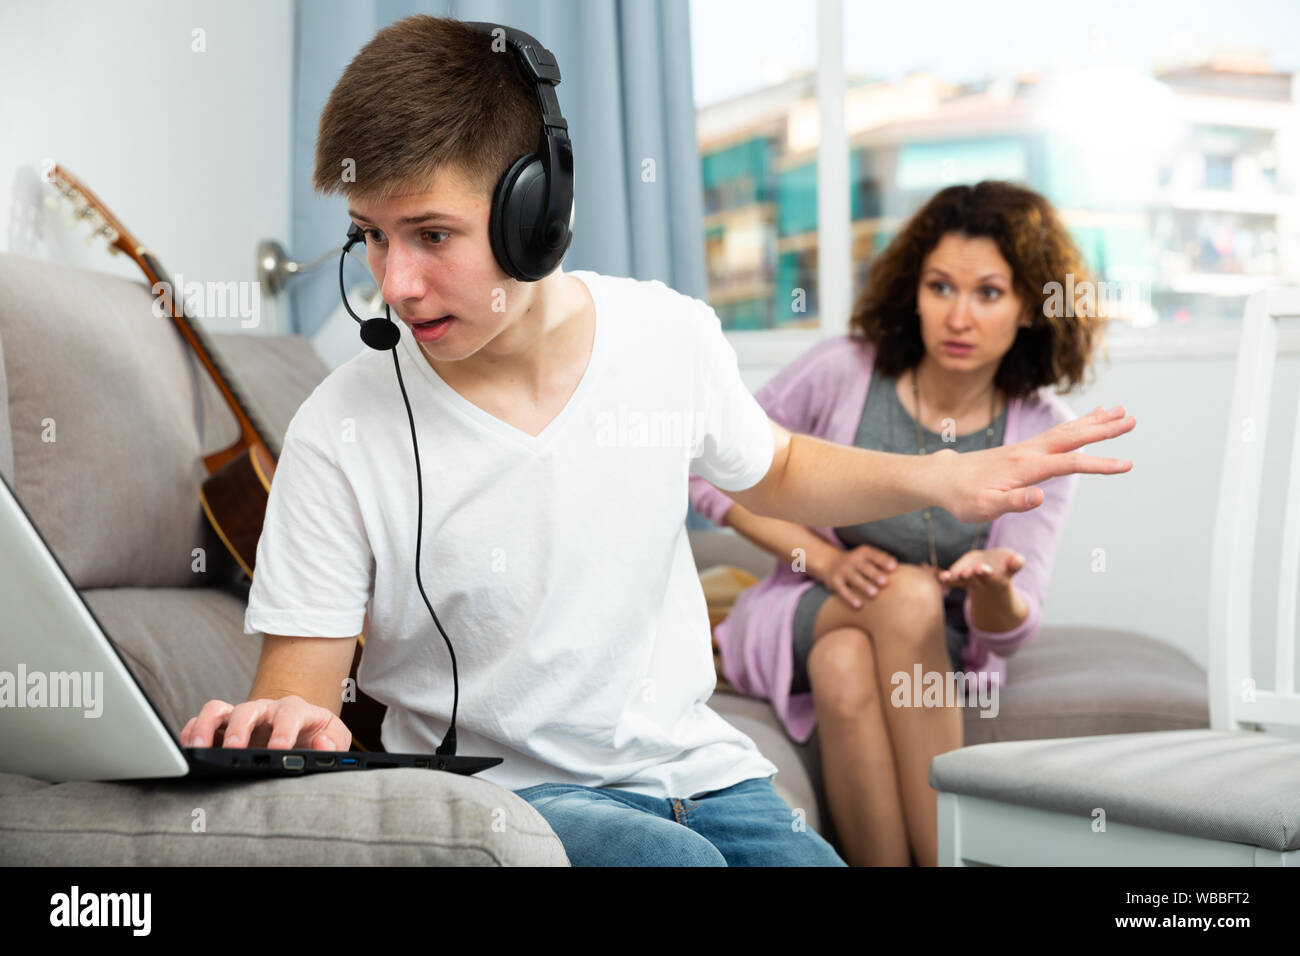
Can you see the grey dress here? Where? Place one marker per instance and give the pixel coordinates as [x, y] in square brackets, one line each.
[887, 426]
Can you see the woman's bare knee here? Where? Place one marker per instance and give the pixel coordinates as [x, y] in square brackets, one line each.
[911, 594]
[842, 671]
[908, 611]
[911, 586]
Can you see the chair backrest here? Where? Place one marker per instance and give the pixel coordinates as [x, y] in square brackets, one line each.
[1235, 699]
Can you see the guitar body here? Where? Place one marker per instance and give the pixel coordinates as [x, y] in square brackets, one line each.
[234, 497]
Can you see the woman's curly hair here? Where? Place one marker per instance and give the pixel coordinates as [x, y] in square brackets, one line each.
[1039, 249]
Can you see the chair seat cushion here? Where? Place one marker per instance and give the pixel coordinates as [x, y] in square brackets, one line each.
[1240, 787]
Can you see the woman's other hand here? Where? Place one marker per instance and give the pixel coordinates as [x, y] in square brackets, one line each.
[856, 574]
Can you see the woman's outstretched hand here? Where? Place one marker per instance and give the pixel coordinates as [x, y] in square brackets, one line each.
[982, 570]
[978, 486]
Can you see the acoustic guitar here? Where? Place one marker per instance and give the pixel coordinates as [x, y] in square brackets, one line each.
[235, 493]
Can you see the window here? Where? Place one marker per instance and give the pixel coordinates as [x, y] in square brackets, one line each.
[754, 63]
[1169, 154]
[1160, 143]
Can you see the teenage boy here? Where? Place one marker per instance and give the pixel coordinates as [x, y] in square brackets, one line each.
[558, 421]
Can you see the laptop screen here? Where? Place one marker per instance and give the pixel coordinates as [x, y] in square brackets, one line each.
[70, 709]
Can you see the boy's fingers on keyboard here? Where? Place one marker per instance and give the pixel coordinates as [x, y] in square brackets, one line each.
[243, 719]
[287, 720]
[334, 735]
[211, 717]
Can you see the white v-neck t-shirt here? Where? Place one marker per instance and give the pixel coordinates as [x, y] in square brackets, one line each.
[558, 564]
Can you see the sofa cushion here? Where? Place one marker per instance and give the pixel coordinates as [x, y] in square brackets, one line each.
[1076, 681]
[277, 372]
[185, 646]
[109, 427]
[403, 817]
[1220, 785]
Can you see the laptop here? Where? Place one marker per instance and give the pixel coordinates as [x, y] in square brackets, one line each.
[71, 709]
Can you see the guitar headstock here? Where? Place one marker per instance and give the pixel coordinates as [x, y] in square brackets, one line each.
[87, 206]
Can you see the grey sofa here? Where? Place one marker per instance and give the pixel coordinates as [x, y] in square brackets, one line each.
[115, 495]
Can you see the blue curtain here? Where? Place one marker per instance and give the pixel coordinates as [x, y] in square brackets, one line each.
[626, 92]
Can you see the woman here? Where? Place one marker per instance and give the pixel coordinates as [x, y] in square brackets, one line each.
[953, 344]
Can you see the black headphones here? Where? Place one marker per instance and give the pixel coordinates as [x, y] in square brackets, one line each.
[530, 227]
[531, 224]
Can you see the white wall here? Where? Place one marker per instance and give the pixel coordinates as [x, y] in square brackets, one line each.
[190, 150]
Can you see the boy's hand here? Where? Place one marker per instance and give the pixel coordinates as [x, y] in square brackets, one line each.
[978, 486]
[283, 723]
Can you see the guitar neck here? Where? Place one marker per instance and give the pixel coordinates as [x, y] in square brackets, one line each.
[251, 421]
[252, 424]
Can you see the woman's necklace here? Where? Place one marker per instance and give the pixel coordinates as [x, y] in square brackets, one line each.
[920, 450]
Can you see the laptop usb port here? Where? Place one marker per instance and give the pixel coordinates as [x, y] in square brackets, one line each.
[292, 762]
[422, 762]
[348, 761]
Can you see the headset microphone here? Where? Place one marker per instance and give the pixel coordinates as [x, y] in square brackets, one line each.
[529, 228]
[382, 335]
[379, 334]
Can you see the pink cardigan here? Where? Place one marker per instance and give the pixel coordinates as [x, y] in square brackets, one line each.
[822, 393]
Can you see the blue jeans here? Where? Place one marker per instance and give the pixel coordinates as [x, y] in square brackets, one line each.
[747, 824]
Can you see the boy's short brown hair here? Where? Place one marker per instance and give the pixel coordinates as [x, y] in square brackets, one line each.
[425, 92]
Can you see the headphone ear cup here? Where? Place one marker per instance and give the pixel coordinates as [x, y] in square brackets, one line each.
[517, 213]
[501, 222]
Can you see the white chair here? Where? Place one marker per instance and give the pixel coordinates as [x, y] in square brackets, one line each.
[1226, 796]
